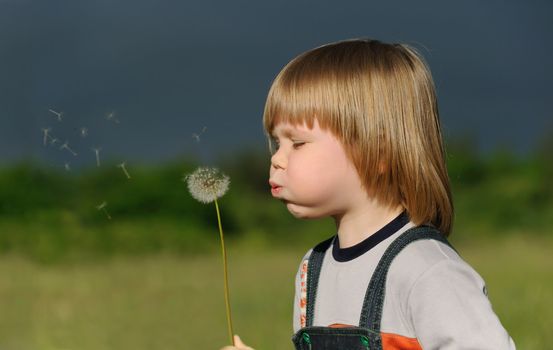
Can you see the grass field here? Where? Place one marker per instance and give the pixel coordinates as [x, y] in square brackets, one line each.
[169, 302]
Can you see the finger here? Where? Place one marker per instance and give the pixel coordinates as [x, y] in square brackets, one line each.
[238, 341]
[239, 344]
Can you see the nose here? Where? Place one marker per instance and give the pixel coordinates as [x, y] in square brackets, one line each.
[278, 160]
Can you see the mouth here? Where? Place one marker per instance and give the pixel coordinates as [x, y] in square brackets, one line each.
[275, 188]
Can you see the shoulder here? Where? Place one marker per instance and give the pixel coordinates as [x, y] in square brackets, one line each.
[445, 298]
[420, 256]
[432, 262]
[435, 263]
[302, 268]
[320, 247]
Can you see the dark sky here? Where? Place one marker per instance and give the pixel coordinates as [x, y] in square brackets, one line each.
[167, 69]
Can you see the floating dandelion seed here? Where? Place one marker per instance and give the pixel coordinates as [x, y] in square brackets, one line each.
[67, 166]
[97, 152]
[206, 185]
[84, 132]
[102, 207]
[45, 132]
[53, 140]
[66, 146]
[197, 136]
[59, 115]
[111, 117]
[122, 166]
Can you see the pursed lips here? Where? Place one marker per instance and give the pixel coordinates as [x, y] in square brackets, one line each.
[275, 188]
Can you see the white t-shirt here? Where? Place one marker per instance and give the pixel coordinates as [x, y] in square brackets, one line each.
[433, 297]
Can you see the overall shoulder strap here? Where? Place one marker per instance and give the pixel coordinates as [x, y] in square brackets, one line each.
[371, 314]
[313, 272]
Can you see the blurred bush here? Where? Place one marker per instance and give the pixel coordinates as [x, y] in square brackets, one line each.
[51, 215]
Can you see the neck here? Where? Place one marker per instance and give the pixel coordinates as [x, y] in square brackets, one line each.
[363, 220]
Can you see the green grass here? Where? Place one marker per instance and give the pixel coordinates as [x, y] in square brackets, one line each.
[519, 275]
[168, 302]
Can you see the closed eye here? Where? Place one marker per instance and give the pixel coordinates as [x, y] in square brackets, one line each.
[275, 144]
[298, 144]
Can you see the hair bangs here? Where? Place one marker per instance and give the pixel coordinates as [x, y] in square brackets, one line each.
[303, 91]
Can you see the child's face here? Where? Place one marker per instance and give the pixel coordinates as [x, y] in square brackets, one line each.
[311, 172]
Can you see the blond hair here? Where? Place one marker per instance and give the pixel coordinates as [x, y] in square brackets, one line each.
[379, 100]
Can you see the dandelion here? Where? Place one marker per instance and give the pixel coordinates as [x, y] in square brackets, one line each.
[59, 115]
[206, 185]
[66, 146]
[97, 152]
[84, 132]
[123, 167]
[102, 207]
[67, 166]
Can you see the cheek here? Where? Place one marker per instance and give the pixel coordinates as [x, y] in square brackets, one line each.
[320, 174]
[306, 170]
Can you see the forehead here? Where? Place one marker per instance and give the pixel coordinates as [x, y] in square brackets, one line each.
[286, 129]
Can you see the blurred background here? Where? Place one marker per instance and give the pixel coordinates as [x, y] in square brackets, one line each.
[105, 106]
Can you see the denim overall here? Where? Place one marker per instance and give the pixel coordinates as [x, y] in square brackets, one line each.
[367, 335]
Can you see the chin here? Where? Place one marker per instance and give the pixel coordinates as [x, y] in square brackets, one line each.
[302, 212]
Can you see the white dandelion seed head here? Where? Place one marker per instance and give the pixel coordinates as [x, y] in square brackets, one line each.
[207, 184]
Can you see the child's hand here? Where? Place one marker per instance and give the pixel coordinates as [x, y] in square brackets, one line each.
[238, 345]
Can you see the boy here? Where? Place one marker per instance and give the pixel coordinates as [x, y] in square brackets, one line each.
[357, 135]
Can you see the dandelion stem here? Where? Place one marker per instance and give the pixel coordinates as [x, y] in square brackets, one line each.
[225, 269]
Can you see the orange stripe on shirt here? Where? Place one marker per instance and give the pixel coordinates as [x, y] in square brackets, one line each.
[398, 342]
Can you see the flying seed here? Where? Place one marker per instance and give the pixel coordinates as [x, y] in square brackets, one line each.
[45, 131]
[66, 146]
[59, 115]
[197, 136]
[102, 207]
[111, 117]
[122, 166]
[97, 152]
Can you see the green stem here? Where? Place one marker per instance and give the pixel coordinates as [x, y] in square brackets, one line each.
[224, 252]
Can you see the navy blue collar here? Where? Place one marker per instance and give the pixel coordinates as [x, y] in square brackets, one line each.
[350, 253]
